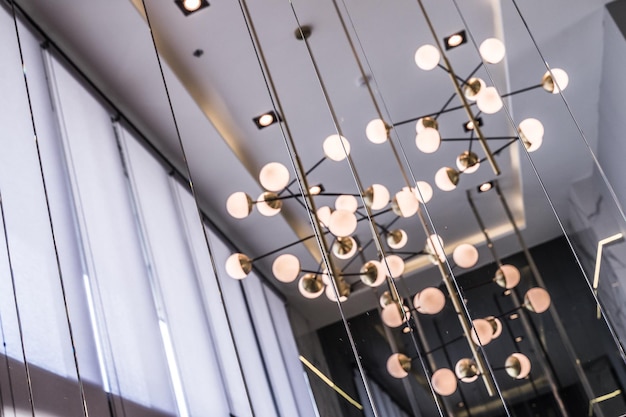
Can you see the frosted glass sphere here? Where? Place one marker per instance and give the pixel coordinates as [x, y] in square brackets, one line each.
[482, 332]
[473, 88]
[556, 82]
[346, 202]
[444, 382]
[467, 162]
[507, 276]
[496, 325]
[238, 266]
[268, 205]
[373, 273]
[423, 192]
[385, 299]
[489, 100]
[465, 255]
[286, 268]
[376, 131]
[192, 5]
[435, 246]
[427, 57]
[537, 300]
[446, 179]
[376, 197]
[466, 370]
[430, 300]
[310, 286]
[342, 223]
[274, 176]
[405, 203]
[492, 50]
[395, 265]
[517, 366]
[424, 122]
[332, 295]
[398, 365]
[531, 132]
[239, 205]
[344, 247]
[397, 239]
[336, 147]
[391, 315]
[428, 140]
[323, 215]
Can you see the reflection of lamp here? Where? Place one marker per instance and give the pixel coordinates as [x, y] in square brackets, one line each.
[444, 381]
[517, 366]
[398, 365]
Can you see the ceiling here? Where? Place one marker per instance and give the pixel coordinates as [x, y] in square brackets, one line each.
[215, 96]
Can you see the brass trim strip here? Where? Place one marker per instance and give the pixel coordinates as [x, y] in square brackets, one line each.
[330, 383]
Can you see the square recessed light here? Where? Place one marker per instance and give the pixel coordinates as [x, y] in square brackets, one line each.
[316, 189]
[454, 40]
[468, 126]
[191, 6]
[485, 186]
[266, 119]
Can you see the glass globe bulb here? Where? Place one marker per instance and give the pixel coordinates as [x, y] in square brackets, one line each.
[496, 325]
[467, 162]
[395, 265]
[376, 197]
[391, 315]
[430, 300]
[346, 202]
[268, 204]
[556, 82]
[323, 215]
[465, 255]
[507, 276]
[405, 203]
[342, 223]
[274, 176]
[434, 246]
[344, 247]
[428, 140]
[531, 132]
[444, 382]
[492, 50]
[427, 57]
[310, 286]
[238, 266]
[423, 191]
[537, 300]
[286, 268]
[239, 205]
[489, 101]
[473, 87]
[517, 366]
[397, 239]
[424, 122]
[482, 332]
[446, 179]
[336, 147]
[376, 131]
[398, 365]
[466, 370]
[373, 274]
[332, 295]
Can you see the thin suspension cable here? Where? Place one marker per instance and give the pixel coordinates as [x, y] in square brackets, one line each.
[70, 329]
[197, 204]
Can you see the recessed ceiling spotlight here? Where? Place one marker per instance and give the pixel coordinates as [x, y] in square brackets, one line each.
[455, 40]
[469, 126]
[316, 189]
[485, 186]
[266, 119]
[190, 6]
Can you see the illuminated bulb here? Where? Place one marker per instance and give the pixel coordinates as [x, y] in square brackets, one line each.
[274, 176]
[423, 192]
[376, 197]
[405, 203]
[286, 268]
[428, 140]
[489, 100]
[344, 247]
[396, 239]
[444, 382]
[268, 204]
[424, 122]
[323, 215]
[507, 276]
[482, 332]
[391, 315]
[427, 57]
[473, 88]
[385, 299]
[239, 205]
[332, 295]
[467, 162]
[336, 147]
[376, 131]
[531, 132]
[342, 223]
[492, 50]
[466, 370]
[537, 300]
[398, 365]
[517, 366]
[496, 326]
[315, 189]
[346, 202]
[455, 40]
[238, 266]
[556, 82]
[192, 5]
[266, 120]
[486, 186]
[373, 274]
[435, 247]
[310, 286]
[465, 255]
[395, 265]
[446, 179]
[430, 300]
